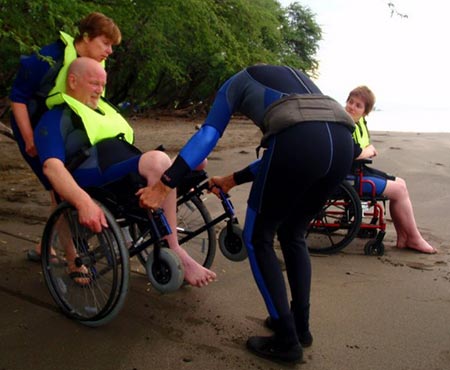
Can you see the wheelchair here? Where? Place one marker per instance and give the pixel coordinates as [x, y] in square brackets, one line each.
[350, 213]
[132, 231]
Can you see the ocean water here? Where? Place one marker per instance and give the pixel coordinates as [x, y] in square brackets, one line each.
[411, 120]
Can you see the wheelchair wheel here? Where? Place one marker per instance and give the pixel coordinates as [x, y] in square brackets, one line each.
[374, 248]
[96, 292]
[337, 224]
[191, 216]
[231, 243]
[167, 273]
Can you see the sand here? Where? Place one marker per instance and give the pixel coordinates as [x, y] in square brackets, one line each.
[388, 312]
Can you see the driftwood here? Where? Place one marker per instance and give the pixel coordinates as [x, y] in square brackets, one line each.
[5, 130]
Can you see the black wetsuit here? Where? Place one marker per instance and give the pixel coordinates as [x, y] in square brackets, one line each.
[297, 172]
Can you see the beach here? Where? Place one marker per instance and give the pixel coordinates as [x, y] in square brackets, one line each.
[367, 312]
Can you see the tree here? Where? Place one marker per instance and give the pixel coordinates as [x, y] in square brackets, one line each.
[174, 53]
[301, 35]
[26, 25]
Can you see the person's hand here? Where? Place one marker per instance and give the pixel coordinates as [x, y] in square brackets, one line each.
[152, 197]
[92, 216]
[225, 183]
[370, 151]
[30, 148]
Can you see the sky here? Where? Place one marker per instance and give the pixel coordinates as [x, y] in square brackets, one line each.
[404, 61]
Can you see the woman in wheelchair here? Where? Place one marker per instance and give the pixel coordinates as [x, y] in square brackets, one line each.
[84, 123]
[360, 103]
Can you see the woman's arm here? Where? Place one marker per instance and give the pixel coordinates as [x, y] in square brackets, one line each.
[22, 118]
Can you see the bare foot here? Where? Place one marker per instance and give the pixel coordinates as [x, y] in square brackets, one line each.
[422, 247]
[194, 273]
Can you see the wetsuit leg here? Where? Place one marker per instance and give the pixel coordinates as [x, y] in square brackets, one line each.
[33, 162]
[107, 162]
[300, 169]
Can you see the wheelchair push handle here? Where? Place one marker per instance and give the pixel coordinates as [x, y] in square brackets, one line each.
[222, 194]
[226, 202]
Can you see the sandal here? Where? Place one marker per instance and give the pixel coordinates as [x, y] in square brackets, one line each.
[34, 256]
[80, 275]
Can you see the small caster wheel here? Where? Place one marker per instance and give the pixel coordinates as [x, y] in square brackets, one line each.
[166, 274]
[232, 244]
[374, 248]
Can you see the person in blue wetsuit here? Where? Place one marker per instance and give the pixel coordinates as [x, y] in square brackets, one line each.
[81, 122]
[360, 103]
[38, 77]
[308, 152]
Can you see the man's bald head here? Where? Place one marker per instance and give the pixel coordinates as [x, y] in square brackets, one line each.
[86, 80]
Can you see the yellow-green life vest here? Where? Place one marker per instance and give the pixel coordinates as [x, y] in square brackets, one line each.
[361, 134]
[103, 123]
[70, 54]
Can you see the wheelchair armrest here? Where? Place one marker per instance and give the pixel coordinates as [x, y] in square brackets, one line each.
[360, 162]
[358, 165]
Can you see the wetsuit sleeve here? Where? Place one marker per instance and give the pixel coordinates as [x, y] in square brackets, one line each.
[203, 141]
[191, 155]
[27, 80]
[48, 138]
[32, 71]
[247, 174]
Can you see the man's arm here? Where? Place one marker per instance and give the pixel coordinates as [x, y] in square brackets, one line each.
[90, 214]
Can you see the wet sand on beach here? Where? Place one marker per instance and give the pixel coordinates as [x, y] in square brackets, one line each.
[379, 313]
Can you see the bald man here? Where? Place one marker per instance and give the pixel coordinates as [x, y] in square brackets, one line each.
[81, 121]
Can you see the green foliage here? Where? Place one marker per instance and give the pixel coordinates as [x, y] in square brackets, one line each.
[301, 36]
[27, 25]
[174, 54]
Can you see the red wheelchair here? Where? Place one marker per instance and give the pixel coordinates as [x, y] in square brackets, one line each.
[350, 213]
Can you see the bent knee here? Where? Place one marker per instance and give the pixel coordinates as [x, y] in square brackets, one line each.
[396, 189]
[400, 181]
[154, 161]
[401, 185]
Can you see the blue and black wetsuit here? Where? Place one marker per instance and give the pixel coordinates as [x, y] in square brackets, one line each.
[61, 134]
[33, 82]
[300, 168]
